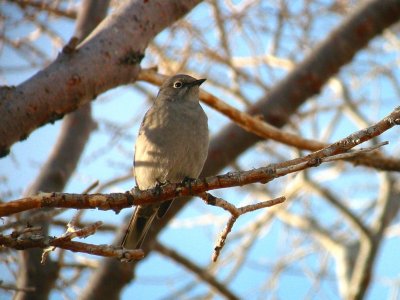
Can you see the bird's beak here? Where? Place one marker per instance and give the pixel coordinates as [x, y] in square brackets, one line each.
[198, 82]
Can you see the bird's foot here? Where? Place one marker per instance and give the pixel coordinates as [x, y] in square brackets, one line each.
[187, 182]
[158, 187]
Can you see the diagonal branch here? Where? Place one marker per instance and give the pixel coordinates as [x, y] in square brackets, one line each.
[118, 201]
[101, 62]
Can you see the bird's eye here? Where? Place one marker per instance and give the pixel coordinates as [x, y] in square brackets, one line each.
[178, 84]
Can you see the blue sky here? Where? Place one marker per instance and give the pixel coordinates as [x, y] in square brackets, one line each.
[110, 149]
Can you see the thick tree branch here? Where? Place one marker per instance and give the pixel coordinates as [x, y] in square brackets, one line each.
[108, 58]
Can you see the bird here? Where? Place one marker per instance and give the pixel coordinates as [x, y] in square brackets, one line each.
[172, 146]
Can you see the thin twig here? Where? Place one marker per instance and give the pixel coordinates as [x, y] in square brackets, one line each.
[235, 214]
[20, 241]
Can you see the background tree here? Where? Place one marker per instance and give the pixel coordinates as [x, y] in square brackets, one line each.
[281, 61]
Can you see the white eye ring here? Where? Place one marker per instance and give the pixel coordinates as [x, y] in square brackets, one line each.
[178, 84]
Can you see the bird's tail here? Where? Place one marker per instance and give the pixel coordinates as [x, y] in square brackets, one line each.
[139, 225]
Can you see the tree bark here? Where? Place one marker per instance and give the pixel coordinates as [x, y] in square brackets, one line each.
[109, 57]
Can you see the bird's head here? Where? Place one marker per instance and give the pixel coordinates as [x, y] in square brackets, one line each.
[181, 87]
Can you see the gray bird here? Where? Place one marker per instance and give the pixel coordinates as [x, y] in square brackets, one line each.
[172, 145]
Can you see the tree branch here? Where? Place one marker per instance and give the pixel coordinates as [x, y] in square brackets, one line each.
[117, 201]
[31, 238]
[87, 72]
[235, 214]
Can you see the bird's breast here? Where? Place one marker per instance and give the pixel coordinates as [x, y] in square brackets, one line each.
[172, 145]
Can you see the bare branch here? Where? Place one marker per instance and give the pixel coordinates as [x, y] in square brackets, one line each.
[235, 214]
[117, 201]
[82, 76]
[30, 238]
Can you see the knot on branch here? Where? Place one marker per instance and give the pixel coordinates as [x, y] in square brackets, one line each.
[132, 58]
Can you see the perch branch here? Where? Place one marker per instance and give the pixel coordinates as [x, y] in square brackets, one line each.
[117, 201]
